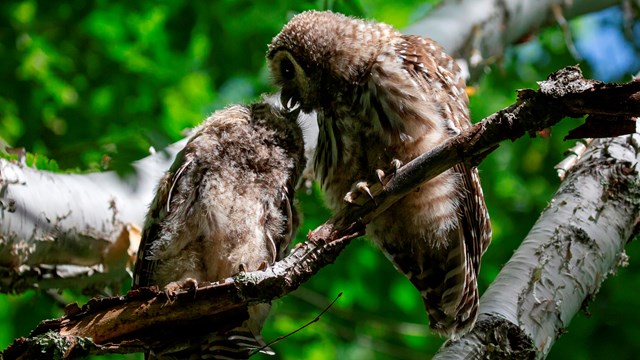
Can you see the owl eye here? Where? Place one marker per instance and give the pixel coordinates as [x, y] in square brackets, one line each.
[287, 70]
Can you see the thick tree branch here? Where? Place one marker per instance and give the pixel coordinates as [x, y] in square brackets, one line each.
[115, 324]
[59, 230]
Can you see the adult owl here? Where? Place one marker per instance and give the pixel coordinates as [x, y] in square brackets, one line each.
[382, 98]
[224, 206]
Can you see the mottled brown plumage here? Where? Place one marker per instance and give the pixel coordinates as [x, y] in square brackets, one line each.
[381, 96]
[226, 203]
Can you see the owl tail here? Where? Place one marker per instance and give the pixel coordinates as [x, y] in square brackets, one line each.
[236, 344]
[453, 322]
[452, 298]
[241, 342]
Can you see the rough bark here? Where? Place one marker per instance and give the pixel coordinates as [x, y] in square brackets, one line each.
[79, 234]
[116, 324]
[62, 230]
[577, 242]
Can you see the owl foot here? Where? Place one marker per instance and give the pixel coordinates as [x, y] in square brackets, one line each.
[263, 266]
[384, 177]
[188, 284]
[355, 196]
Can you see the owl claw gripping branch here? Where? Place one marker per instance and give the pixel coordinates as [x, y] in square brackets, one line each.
[381, 96]
[360, 188]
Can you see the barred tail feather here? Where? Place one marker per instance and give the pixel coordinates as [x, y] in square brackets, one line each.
[453, 306]
[456, 268]
[236, 344]
[446, 279]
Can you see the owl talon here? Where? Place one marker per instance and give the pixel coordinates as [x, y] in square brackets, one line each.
[188, 284]
[396, 165]
[380, 175]
[363, 187]
[383, 177]
[170, 291]
[355, 197]
[263, 266]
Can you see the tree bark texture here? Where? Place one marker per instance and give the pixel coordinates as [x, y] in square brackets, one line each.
[578, 241]
[61, 230]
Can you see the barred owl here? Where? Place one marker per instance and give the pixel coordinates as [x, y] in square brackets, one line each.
[225, 205]
[382, 98]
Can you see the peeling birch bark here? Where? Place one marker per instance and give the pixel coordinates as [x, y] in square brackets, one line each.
[59, 230]
[578, 241]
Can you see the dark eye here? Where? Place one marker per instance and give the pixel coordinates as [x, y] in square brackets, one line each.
[287, 70]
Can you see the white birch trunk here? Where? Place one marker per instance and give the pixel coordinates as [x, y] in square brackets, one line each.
[578, 241]
[58, 229]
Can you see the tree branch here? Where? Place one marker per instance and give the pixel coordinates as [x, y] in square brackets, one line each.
[116, 324]
[81, 234]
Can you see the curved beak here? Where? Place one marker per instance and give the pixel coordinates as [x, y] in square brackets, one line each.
[289, 98]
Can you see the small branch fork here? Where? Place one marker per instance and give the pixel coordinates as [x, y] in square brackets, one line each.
[146, 316]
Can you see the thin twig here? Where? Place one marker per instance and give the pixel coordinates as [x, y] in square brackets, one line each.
[314, 320]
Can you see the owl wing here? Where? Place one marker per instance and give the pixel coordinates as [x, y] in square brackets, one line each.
[440, 78]
[158, 211]
[420, 96]
[281, 245]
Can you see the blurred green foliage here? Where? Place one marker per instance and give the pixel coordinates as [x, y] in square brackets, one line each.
[93, 85]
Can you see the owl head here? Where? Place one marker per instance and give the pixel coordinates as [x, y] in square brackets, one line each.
[318, 57]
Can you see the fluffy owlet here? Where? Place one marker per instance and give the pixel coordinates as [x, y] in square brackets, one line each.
[382, 98]
[225, 205]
